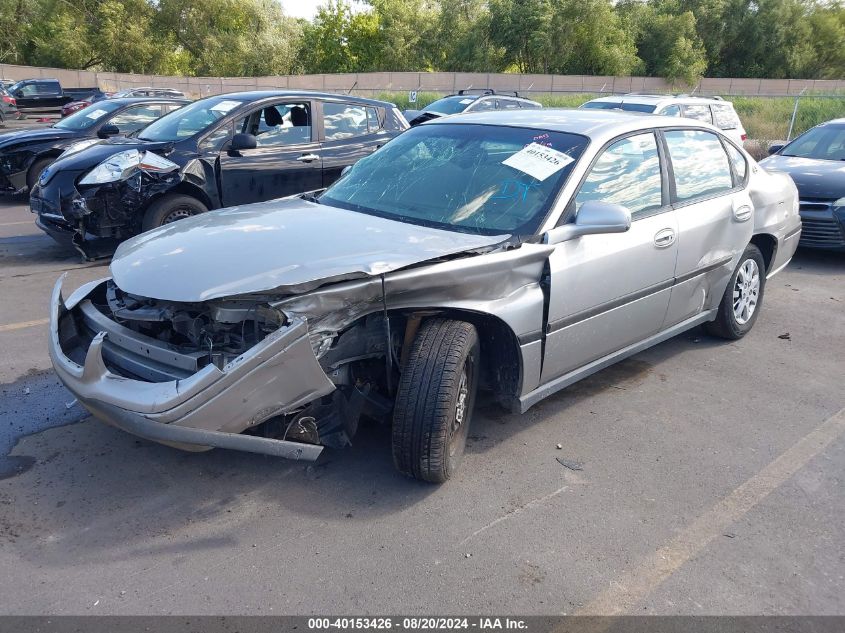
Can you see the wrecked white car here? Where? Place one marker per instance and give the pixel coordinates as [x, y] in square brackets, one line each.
[515, 252]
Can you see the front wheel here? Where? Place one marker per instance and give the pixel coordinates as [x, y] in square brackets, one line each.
[743, 297]
[171, 208]
[435, 400]
[35, 170]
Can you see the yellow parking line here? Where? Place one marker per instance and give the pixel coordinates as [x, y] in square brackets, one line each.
[631, 587]
[17, 223]
[23, 324]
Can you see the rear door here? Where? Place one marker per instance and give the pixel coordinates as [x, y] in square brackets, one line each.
[611, 291]
[714, 214]
[351, 131]
[285, 161]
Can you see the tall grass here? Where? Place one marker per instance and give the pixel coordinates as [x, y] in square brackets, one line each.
[764, 118]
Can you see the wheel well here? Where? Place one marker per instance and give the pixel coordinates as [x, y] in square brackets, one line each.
[501, 361]
[187, 189]
[768, 246]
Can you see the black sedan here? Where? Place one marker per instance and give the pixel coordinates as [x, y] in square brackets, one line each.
[816, 162]
[25, 153]
[217, 152]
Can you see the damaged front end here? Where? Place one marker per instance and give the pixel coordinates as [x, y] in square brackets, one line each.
[95, 210]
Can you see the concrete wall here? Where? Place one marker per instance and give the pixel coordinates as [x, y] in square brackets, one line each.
[374, 83]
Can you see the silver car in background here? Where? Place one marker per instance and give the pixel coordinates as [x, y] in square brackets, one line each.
[516, 252]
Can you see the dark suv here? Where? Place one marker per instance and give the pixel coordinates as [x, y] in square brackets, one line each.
[217, 152]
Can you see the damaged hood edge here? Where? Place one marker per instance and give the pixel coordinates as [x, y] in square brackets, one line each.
[287, 246]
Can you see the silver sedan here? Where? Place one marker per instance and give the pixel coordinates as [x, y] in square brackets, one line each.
[516, 252]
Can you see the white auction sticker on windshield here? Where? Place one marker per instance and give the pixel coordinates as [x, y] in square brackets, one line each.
[225, 106]
[96, 114]
[465, 101]
[538, 161]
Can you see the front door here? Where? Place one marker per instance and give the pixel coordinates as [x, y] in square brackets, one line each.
[610, 291]
[285, 161]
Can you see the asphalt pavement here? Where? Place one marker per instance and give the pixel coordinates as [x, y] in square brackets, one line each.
[699, 477]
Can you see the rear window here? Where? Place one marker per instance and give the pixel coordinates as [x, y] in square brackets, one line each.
[725, 117]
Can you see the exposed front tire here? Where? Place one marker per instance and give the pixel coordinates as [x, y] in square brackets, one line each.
[35, 171]
[435, 400]
[171, 208]
[743, 297]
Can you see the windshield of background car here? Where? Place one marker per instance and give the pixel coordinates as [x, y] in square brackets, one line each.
[449, 105]
[189, 120]
[88, 116]
[469, 178]
[823, 143]
[618, 105]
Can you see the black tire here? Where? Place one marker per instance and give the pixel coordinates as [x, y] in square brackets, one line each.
[35, 171]
[441, 372]
[171, 208]
[727, 324]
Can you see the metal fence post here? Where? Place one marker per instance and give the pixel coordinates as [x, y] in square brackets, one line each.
[794, 114]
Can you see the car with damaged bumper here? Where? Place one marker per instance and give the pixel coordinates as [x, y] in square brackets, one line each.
[216, 152]
[25, 153]
[511, 252]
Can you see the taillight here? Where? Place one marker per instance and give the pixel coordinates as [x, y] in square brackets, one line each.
[9, 100]
[744, 137]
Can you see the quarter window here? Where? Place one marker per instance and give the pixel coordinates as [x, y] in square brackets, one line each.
[627, 173]
[343, 120]
[738, 160]
[698, 112]
[699, 163]
[726, 118]
[372, 120]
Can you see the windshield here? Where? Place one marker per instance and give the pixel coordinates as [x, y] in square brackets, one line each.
[449, 105]
[618, 105]
[190, 119]
[469, 178]
[826, 142]
[86, 117]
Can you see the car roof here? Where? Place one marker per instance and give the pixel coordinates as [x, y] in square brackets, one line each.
[128, 100]
[599, 125]
[655, 99]
[258, 95]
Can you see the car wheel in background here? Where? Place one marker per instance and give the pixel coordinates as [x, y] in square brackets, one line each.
[35, 171]
[743, 297]
[435, 400]
[171, 208]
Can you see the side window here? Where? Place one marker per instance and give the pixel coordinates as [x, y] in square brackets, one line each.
[699, 163]
[626, 173]
[698, 112]
[344, 120]
[672, 110]
[726, 118]
[134, 118]
[372, 120]
[281, 124]
[29, 90]
[482, 105]
[527, 105]
[47, 88]
[508, 104]
[739, 162]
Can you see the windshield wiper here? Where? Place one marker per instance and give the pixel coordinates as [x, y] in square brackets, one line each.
[310, 197]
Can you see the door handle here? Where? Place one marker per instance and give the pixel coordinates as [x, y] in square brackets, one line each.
[664, 238]
[308, 158]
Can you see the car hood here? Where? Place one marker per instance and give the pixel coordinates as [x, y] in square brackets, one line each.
[814, 178]
[97, 153]
[287, 246]
[14, 138]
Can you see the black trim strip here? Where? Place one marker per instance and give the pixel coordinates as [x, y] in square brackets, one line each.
[793, 233]
[531, 337]
[634, 296]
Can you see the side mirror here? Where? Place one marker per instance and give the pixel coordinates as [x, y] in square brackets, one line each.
[593, 218]
[345, 170]
[774, 148]
[108, 130]
[242, 142]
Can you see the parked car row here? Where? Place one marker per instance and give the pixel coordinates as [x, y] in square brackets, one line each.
[168, 93]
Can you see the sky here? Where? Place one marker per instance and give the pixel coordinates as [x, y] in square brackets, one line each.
[305, 8]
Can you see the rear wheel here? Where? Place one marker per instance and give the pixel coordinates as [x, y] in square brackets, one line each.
[35, 171]
[171, 208]
[743, 297]
[435, 400]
